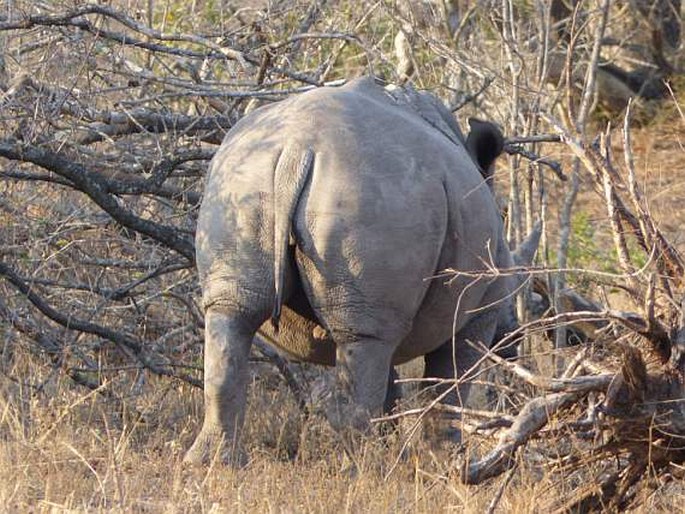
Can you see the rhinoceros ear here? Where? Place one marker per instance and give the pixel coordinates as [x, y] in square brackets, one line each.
[484, 143]
[525, 252]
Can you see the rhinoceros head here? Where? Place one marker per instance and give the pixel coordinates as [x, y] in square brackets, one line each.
[507, 321]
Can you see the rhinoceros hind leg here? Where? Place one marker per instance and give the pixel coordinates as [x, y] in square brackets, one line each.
[363, 370]
[228, 337]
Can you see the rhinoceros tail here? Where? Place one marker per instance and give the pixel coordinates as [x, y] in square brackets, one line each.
[290, 177]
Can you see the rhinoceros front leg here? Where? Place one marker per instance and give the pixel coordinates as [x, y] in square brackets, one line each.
[452, 361]
[228, 338]
[393, 393]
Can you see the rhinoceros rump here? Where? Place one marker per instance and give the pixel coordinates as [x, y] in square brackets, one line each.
[325, 215]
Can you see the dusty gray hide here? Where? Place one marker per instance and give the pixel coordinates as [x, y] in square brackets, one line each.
[324, 215]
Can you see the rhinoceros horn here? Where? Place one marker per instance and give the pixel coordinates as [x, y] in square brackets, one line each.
[524, 253]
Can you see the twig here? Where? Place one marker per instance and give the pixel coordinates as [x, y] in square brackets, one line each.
[114, 294]
[617, 229]
[574, 385]
[473, 96]
[89, 184]
[650, 233]
[131, 346]
[70, 19]
[68, 410]
[539, 138]
[492, 506]
[555, 166]
[453, 409]
[314, 35]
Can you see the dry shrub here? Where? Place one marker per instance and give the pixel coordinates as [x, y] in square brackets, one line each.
[109, 115]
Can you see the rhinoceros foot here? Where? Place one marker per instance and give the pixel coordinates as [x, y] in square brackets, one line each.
[213, 445]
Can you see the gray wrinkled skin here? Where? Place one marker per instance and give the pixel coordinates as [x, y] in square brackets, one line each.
[326, 213]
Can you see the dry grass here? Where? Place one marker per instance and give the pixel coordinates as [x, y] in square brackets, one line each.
[93, 462]
[65, 450]
[119, 447]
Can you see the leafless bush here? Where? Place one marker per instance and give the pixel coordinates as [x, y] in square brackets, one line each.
[110, 112]
[110, 104]
[630, 380]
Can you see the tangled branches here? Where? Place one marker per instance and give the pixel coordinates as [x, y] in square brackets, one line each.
[109, 118]
[630, 376]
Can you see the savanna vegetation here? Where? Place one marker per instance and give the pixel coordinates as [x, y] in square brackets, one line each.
[109, 114]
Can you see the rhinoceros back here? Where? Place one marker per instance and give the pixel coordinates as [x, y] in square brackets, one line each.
[356, 176]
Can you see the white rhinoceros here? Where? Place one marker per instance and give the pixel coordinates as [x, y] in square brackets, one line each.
[325, 215]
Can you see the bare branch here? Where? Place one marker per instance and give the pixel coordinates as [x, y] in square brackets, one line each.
[123, 341]
[87, 182]
[534, 415]
[553, 165]
[69, 19]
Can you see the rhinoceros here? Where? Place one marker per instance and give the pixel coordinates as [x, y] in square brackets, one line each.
[323, 220]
